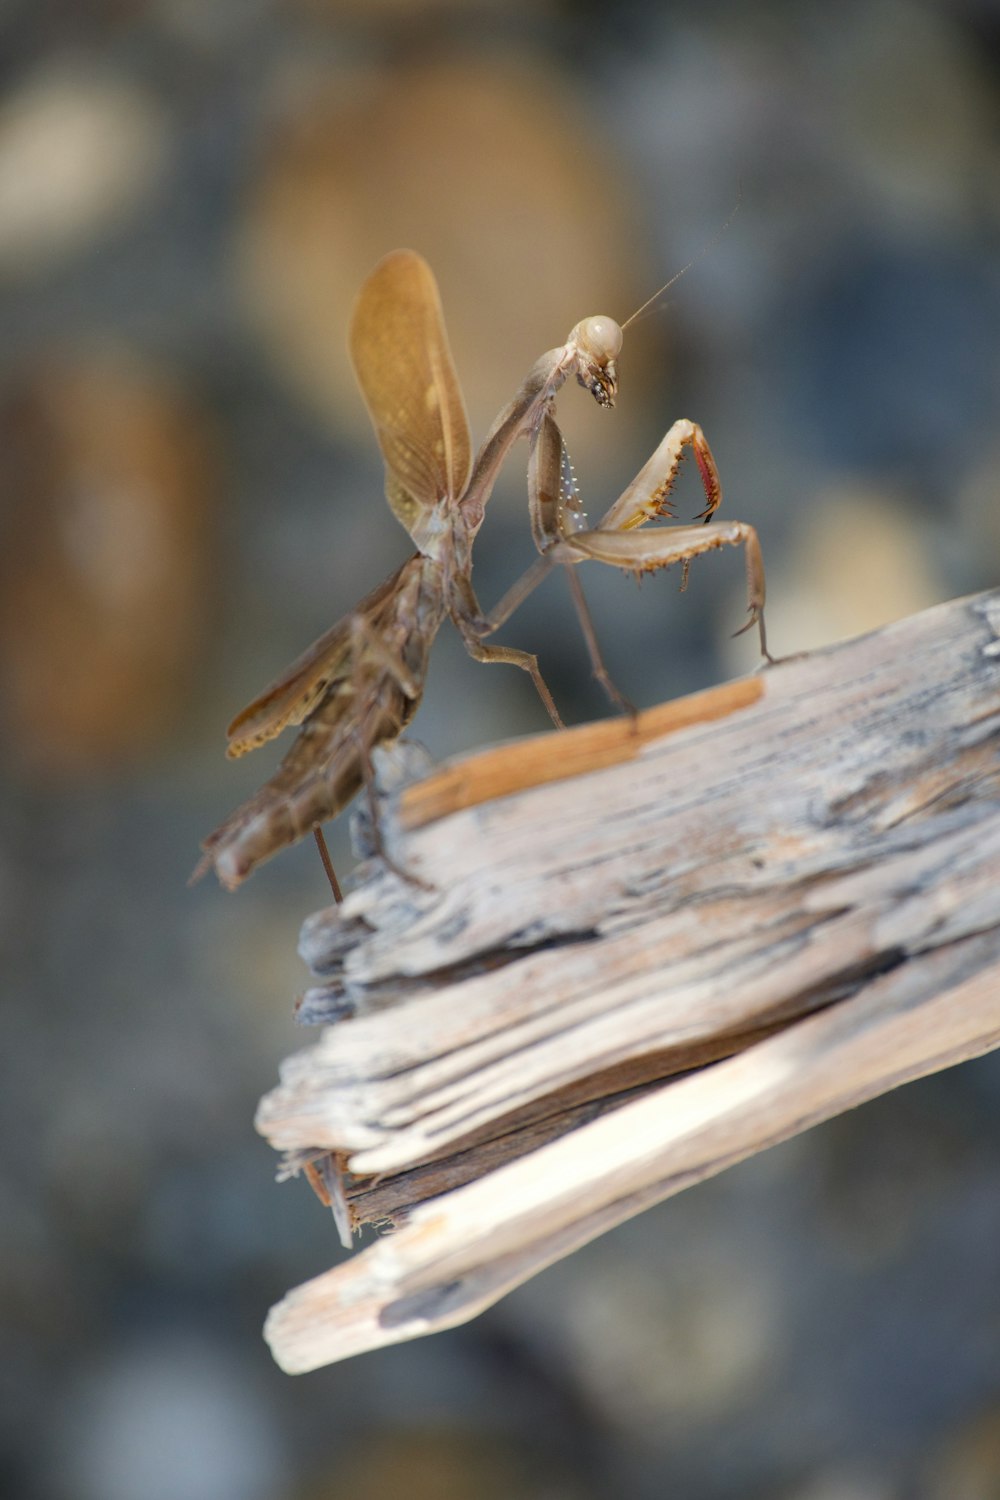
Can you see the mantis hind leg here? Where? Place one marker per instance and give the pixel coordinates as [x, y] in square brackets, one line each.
[327, 862]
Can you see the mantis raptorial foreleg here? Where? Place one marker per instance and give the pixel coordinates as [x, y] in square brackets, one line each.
[648, 496]
[615, 539]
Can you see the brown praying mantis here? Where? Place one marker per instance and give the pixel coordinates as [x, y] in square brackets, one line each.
[359, 685]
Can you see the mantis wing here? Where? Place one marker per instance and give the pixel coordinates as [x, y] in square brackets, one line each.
[402, 360]
[404, 367]
[291, 697]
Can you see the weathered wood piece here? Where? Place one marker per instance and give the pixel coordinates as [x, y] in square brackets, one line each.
[786, 889]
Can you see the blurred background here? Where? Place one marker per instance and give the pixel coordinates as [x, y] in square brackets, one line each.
[191, 192]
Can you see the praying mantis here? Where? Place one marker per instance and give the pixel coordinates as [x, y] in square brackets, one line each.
[360, 684]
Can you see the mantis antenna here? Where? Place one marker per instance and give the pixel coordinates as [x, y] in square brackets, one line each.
[716, 237]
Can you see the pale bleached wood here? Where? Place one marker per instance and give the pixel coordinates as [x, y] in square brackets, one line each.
[823, 837]
[462, 1252]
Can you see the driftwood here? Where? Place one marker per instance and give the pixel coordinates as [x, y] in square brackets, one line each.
[786, 890]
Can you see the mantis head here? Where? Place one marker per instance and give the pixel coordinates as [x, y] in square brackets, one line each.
[597, 343]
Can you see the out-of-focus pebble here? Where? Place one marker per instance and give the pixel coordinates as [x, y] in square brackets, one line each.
[442, 1465]
[844, 1485]
[419, 11]
[860, 561]
[109, 484]
[977, 521]
[917, 118]
[209, 24]
[968, 1468]
[660, 1346]
[171, 1415]
[78, 151]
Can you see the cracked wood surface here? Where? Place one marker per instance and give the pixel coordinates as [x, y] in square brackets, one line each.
[786, 889]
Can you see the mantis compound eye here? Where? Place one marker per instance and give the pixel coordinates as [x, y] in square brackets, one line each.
[600, 337]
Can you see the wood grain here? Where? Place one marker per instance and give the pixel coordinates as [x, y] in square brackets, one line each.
[684, 944]
[576, 752]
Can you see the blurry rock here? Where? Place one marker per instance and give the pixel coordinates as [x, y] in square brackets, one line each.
[978, 521]
[108, 485]
[969, 1466]
[917, 118]
[410, 10]
[440, 1464]
[662, 1347]
[493, 172]
[884, 1173]
[169, 1415]
[845, 1484]
[889, 361]
[78, 151]
[861, 559]
[211, 24]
